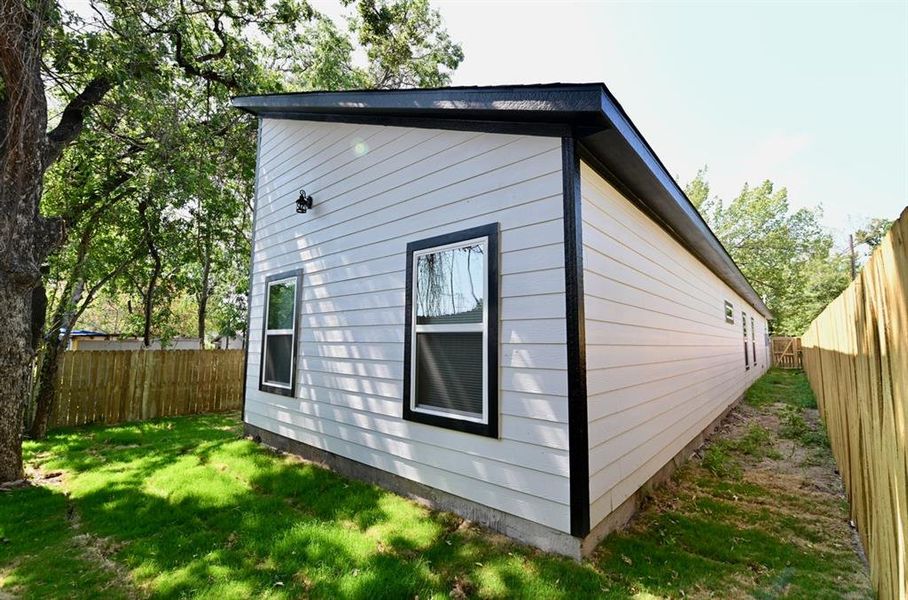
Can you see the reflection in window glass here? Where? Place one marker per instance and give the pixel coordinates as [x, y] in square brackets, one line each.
[449, 286]
[281, 298]
[279, 334]
[449, 330]
[746, 357]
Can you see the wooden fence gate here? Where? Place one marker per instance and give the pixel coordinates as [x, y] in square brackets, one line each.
[134, 385]
[786, 352]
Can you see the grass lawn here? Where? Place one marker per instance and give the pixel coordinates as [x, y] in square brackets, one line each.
[186, 508]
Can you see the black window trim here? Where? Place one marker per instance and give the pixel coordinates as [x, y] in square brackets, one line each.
[746, 353]
[753, 340]
[489, 428]
[298, 296]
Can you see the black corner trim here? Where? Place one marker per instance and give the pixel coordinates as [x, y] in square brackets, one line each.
[273, 389]
[578, 426]
[489, 429]
[258, 151]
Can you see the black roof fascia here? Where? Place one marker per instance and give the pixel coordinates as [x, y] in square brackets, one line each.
[587, 111]
[623, 149]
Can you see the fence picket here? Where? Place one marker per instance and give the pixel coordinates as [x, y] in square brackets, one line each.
[129, 385]
[855, 354]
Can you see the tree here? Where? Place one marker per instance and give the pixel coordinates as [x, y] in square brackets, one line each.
[698, 189]
[123, 73]
[27, 149]
[786, 255]
[90, 192]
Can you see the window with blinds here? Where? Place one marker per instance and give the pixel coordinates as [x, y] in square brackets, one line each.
[279, 334]
[451, 338]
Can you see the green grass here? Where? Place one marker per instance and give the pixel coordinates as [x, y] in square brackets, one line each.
[788, 386]
[186, 508]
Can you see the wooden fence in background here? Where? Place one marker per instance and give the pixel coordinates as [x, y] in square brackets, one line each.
[856, 357]
[786, 352]
[133, 385]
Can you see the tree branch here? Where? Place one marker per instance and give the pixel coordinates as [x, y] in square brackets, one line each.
[229, 82]
[223, 50]
[93, 291]
[73, 119]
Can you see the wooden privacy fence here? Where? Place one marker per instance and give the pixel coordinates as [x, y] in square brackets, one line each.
[856, 357]
[133, 385]
[786, 352]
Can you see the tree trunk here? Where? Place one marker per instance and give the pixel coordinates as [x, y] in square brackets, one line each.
[26, 238]
[150, 230]
[15, 360]
[54, 344]
[148, 308]
[204, 293]
[46, 386]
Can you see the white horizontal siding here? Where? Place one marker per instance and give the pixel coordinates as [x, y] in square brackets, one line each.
[375, 189]
[662, 363]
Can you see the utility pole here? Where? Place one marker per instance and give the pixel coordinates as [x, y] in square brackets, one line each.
[851, 248]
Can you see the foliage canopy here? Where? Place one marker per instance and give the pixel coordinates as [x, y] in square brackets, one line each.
[787, 255]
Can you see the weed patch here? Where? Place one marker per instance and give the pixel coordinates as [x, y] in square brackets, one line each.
[718, 460]
[795, 427]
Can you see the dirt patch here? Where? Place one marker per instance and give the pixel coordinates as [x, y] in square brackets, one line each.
[806, 467]
[795, 465]
[98, 551]
[5, 592]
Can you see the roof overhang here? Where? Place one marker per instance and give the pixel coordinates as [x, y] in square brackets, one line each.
[609, 142]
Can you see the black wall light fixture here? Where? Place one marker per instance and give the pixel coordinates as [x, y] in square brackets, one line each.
[304, 202]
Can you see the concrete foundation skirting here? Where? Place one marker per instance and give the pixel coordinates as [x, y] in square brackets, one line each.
[622, 515]
[541, 536]
[545, 538]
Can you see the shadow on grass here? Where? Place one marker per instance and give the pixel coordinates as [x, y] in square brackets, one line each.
[192, 510]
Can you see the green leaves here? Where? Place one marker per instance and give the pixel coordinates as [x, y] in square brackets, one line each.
[786, 255]
[166, 135]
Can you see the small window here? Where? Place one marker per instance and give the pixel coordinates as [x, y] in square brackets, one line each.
[278, 358]
[451, 338]
[753, 340]
[729, 312]
[746, 354]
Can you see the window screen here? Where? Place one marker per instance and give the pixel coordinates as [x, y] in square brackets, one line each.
[451, 360]
[279, 335]
[729, 312]
[449, 371]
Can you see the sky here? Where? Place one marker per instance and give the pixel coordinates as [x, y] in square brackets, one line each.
[811, 95]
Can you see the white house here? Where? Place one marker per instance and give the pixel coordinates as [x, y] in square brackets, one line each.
[497, 300]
